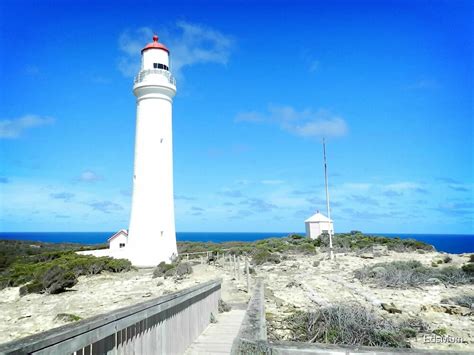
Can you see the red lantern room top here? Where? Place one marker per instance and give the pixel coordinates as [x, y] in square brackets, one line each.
[155, 44]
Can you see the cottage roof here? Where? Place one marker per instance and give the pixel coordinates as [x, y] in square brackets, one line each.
[122, 231]
[318, 217]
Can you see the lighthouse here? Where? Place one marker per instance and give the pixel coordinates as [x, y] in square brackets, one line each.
[152, 234]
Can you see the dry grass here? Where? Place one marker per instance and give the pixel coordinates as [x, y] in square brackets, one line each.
[350, 324]
[403, 274]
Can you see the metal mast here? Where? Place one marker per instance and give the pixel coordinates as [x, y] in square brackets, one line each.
[331, 254]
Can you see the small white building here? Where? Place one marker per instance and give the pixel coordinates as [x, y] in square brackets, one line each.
[118, 240]
[318, 224]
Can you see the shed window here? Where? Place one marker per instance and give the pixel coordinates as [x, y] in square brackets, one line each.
[122, 245]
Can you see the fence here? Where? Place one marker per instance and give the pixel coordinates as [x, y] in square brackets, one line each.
[165, 325]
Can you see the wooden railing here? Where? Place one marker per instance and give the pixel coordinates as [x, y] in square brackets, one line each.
[165, 325]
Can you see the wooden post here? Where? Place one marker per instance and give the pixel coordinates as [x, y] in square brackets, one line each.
[238, 267]
[187, 257]
[235, 267]
[248, 273]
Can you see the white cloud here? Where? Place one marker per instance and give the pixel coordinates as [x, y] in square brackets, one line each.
[189, 44]
[306, 123]
[89, 176]
[10, 129]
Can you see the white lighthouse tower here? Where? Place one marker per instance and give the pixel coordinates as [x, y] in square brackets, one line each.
[152, 235]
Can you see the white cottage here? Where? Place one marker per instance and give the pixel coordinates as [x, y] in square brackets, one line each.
[118, 240]
[318, 224]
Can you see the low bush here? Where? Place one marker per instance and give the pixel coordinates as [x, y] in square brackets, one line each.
[471, 258]
[401, 274]
[162, 269]
[264, 256]
[348, 324]
[184, 269]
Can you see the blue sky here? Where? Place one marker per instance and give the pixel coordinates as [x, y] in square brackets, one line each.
[390, 84]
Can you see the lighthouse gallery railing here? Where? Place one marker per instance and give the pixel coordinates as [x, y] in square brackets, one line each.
[144, 73]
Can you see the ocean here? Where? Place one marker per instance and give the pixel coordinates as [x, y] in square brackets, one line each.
[450, 243]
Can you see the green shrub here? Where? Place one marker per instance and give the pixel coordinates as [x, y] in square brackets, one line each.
[162, 269]
[53, 272]
[264, 256]
[468, 268]
[471, 258]
[440, 331]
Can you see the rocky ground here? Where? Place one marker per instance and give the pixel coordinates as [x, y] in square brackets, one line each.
[301, 282]
[295, 284]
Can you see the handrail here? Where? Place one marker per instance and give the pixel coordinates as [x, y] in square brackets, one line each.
[74, 336]
[144, 73]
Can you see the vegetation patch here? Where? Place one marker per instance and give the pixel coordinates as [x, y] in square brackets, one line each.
[349, 324]
[402, 274]
[463, 300]
[12, 251]
[223, 306]
[264, 256]
[54, 272]
[169, 270]
[355, 240]
[67, 317]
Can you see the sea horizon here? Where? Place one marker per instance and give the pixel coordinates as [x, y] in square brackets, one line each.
[450, 243]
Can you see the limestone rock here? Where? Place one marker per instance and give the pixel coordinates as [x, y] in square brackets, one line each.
[366, 256]
[390, 308]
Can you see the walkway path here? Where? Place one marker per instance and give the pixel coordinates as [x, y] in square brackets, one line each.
[217, 338]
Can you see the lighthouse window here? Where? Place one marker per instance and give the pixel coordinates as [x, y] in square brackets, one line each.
[160, 66]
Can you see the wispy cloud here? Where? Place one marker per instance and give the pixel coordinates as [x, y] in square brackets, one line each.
[258, 205]
[89, 176]
[231, 193]
[458, 187]
[242, 214]
[105, 206]
[189, 44]
[402, 187]
[306, 123]
[365, 200]
[65, 196]
[10, 129]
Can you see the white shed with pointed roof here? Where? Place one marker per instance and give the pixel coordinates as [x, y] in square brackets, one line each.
[318, 224]
[118, 240]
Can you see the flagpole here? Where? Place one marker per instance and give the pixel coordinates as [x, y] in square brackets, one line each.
[331, 254]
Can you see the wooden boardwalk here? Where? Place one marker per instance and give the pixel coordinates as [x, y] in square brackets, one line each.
[217, 338]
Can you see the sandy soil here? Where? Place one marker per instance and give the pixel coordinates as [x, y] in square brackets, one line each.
[98, 294]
